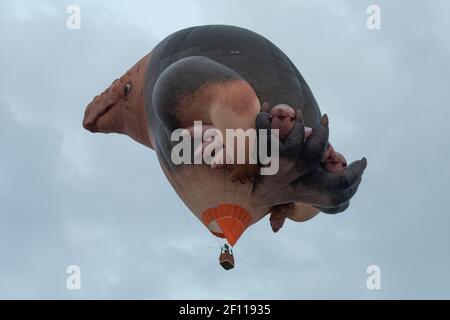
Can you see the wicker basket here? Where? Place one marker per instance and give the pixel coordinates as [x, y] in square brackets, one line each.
[226, 260]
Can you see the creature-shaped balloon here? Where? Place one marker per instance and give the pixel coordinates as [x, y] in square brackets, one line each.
[230, 78]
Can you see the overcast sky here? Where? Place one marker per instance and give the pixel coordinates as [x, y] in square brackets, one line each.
[69, 197]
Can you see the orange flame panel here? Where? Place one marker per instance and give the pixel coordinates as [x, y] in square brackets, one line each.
[231, 218]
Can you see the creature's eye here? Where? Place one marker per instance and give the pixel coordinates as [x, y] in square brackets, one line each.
[127, 88]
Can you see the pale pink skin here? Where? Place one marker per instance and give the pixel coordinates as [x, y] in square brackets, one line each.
[282, 118]
[278, 216]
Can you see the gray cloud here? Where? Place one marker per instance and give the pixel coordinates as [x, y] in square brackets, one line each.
[70, 197]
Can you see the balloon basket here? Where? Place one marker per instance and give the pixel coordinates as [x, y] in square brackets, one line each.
[226, 260]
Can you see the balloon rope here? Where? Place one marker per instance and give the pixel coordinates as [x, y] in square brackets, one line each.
[201, 240]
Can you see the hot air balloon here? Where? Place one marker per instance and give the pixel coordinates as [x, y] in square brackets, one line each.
[222, 76]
